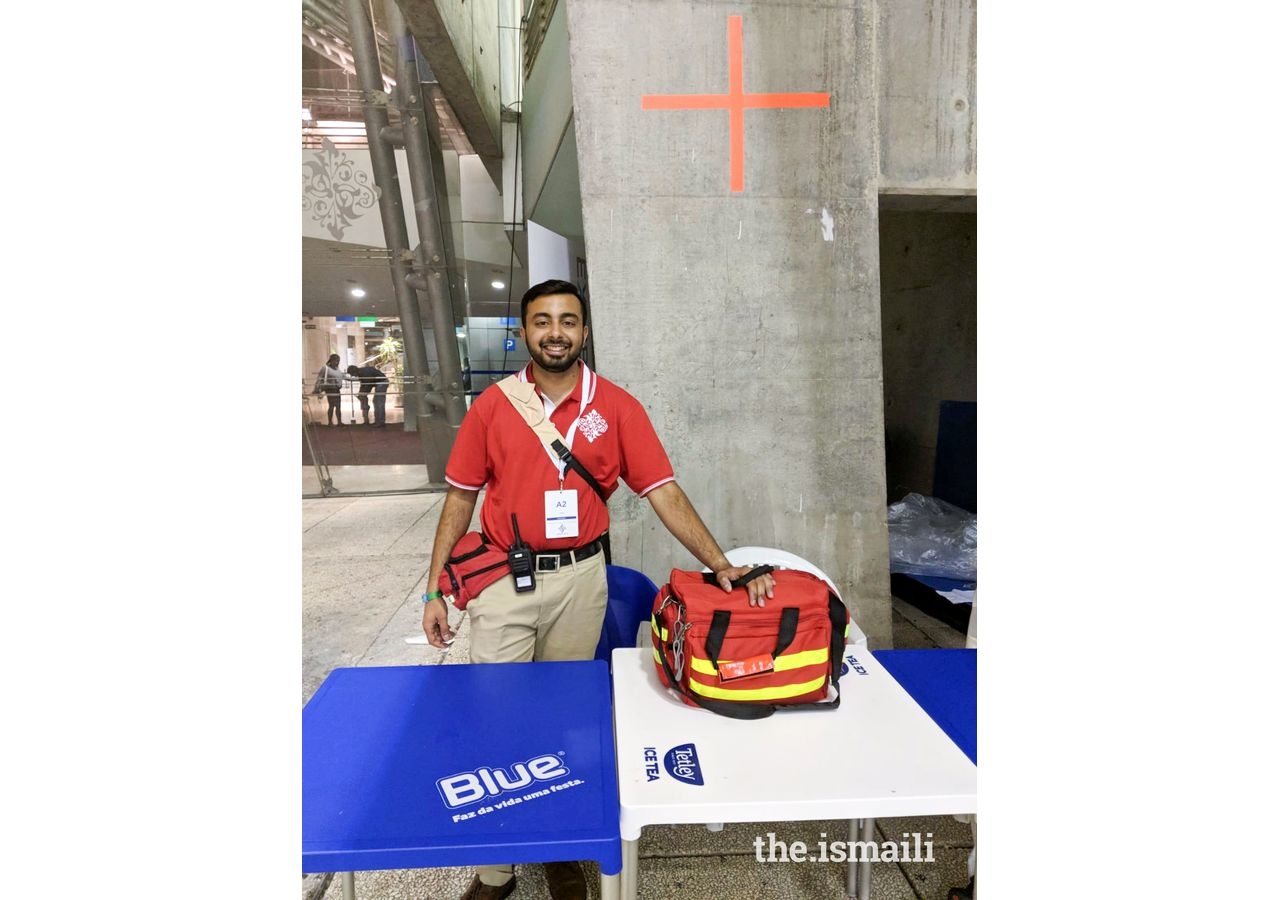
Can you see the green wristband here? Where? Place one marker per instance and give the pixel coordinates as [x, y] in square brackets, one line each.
[432, 595]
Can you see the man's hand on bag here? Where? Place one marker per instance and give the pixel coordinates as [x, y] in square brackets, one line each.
[435, 622]
[757, 588]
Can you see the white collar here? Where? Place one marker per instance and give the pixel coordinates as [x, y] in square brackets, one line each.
[588, 382]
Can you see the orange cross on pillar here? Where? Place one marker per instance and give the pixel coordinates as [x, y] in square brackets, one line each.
[735, 101]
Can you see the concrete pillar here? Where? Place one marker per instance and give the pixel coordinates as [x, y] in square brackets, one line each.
[740, 303]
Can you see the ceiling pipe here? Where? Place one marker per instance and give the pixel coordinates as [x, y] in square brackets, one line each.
[322, 37]
[432, 268]
[336, 24]
[330, 50]
[338, 19]
[382, 158]
[335, 21]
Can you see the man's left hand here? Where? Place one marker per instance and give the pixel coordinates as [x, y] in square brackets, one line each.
[757, 588]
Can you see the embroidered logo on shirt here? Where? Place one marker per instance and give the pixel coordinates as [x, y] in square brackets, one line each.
[592, 426]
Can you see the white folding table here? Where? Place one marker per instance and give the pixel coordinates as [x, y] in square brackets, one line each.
[878, 755]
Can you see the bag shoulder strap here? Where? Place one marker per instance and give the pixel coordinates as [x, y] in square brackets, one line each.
[524, 397]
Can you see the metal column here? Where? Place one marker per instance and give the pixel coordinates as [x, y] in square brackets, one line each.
[630, 868]
[369, 73]
[430, 254]
[858, 886]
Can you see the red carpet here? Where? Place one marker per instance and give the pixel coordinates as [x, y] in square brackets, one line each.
[364, 445]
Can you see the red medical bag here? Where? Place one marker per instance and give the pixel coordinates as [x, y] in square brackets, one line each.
[722, 654]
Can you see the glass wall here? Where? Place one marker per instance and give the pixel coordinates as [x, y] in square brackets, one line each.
[349, 301]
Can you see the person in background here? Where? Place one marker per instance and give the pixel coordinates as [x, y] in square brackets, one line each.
[329, 382]
[372, 379]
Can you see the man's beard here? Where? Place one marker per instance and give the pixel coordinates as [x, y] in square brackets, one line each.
[551, 364]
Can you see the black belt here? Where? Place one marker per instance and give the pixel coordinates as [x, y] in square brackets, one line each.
[551, 562]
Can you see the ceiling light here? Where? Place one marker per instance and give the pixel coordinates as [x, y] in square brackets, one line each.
[357, 293]
[498, 285]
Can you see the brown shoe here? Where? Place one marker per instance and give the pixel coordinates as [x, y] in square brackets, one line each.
[565, 880]
[479, 891]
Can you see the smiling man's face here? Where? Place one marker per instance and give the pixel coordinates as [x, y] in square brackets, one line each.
[554, 332]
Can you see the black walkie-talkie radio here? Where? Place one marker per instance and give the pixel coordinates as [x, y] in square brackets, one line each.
[521, 558]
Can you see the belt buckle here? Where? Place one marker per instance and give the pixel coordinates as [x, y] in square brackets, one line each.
[553, 560]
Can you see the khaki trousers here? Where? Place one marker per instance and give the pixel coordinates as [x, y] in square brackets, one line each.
[560, 619]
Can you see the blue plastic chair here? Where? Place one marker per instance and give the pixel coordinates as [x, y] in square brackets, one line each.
[630, 602]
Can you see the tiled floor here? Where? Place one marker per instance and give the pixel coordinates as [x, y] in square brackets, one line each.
[364, 558]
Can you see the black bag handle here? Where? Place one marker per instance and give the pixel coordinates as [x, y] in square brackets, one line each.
[787, 626]
[715, 635]
[740, 581]
[787, 629]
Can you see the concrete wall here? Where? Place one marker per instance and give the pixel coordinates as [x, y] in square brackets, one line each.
[748, 323]
[928, 93]
[928, 278]
[560, 201]
[548, 108]
[474, 29]
[462, 44]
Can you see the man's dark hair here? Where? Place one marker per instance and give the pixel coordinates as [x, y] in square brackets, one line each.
[545, 289]
[352, 370]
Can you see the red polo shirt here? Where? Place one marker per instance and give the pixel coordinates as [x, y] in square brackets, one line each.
[606, 428]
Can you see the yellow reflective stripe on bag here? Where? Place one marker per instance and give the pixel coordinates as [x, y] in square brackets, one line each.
[780, 692]
[660, 632]
[783, 663]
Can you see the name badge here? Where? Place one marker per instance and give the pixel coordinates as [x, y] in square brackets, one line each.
[562, 514]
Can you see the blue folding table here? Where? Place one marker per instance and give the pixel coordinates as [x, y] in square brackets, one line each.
[460, 765]
[945, 685]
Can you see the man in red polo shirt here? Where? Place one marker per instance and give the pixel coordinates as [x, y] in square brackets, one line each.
[560, 516]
